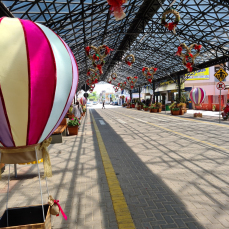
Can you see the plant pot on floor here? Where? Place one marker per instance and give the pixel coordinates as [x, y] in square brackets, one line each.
[159, 110]
[133, 105]
[153, 110]
[146, 109]
[28, 217]
[176, 112]
[139, 107]
[182, 111]
[73, 130]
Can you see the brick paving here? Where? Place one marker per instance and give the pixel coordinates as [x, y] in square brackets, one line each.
[168, 180]
[78, 181]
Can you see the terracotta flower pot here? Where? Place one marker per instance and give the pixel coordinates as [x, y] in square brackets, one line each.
[133, 105]
[73, 130]
[159, 110]
[139, 107]
[146, 109]
[153, 110]
[182, 111]
[176, 112]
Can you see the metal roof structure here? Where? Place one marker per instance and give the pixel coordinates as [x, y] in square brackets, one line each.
[89, 22]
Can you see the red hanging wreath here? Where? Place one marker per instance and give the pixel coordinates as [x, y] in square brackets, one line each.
[147, 72]
[188, 55]
[116, 88]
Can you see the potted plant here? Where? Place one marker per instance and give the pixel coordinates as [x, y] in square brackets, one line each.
[133, 105]
[73, 126]
[70, 114]
[172, 106]
[176, 110]
[213, 107]
[182, 108]
[84, 111]
[146, 108]
[159, 105]
[153, 109]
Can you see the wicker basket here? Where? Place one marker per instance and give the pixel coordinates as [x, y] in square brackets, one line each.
[28, 217]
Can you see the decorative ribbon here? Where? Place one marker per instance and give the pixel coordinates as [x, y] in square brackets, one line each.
[46, 159]
[61, 210]
[52, 202]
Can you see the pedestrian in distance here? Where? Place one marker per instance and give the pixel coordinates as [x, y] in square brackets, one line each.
[103, 107]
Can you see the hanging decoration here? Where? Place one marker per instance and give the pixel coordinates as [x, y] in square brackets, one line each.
[39, 75]
[116, 8]
[197, 95]
[114, 76]
[98, 65]
[97, 52]
[109, 80]
[132, 81]
[116, 88]
[106, 51]
[149, 73]
[122, 85]
[122, 97]
[130, 59]
[92, 73]
[188, 59]
[172, 25]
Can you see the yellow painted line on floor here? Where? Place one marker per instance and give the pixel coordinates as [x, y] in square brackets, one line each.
[189, 119]
[183, 135]
[122, 213]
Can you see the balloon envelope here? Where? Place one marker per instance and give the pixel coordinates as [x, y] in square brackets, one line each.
[38, 80]
[197, 95]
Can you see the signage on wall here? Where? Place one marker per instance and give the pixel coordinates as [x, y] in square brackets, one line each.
[202, 74]
[220, 75]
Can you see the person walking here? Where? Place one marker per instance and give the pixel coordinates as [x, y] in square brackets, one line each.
[103, 107]
[77, 110]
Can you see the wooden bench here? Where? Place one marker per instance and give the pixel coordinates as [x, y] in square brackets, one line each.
[60, 131]
[2, 167]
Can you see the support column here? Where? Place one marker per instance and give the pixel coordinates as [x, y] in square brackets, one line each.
[131, 95]
[139, 91]
[154, 93]
[179, 88]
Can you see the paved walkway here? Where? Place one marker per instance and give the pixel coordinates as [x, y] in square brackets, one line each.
[173, 172]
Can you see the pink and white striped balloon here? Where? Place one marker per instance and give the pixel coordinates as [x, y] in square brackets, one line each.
[197, 95]
[38, 80]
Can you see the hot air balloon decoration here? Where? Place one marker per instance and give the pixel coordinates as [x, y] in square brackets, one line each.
[83, 101]
[38, 80]
[197, 95]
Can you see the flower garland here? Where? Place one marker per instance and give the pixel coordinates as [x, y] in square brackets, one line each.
[131, 61]
[185, 56]
[148, 74]
[116, 88]
[132, 81]
[117, 9]
[114, 77]
[122, 85]
[171, 26]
